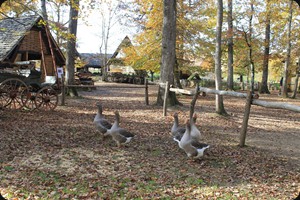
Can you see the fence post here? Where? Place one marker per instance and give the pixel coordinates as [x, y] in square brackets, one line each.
[193, 102]
[63, 91]
[245, 119]
[166, 99]
[146, 92]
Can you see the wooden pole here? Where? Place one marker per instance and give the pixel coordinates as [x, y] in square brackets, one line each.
[52, 55]
[246, 119]
[63, 90]
[166, 99]
[146, 92]
[43, 56]
[193, 102]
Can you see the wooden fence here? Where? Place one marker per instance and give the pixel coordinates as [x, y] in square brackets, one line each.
[251, 99]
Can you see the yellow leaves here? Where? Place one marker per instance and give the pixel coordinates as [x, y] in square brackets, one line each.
[276, 66]
[42, 23]
[18, 7]
[142, 57]
[207, 65]
[211, 22]
[131, 55]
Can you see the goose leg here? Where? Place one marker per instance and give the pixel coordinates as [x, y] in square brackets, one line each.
[104, 137]
[118, 144]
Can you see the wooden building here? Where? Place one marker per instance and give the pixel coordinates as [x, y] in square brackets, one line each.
[116, 61]
[94, 61]
[26, 39]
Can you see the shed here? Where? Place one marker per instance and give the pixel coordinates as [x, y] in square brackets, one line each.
[94, 60]
[28, 38]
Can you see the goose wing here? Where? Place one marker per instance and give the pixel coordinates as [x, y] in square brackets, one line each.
[102, 125]
[126, 133]
[122, 136]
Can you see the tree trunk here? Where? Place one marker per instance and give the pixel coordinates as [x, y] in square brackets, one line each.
[151, 76]
[230, 47]
[218, 71]
[107, 17]
[177, 75]
[44, 9]
[168, 53]
[252, 69]
[284, 93]
[71, 47]
[264, 81]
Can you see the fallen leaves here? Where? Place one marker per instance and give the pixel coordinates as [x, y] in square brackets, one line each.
[60, 155]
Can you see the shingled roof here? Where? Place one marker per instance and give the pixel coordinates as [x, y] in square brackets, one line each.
[95, 60]
[12, 31]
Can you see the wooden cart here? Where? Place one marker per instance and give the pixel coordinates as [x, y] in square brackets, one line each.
[27, 40]
[22, 88]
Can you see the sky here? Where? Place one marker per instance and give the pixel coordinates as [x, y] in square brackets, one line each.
[88, 34]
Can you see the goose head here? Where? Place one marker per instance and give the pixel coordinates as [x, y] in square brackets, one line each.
[175, 123]
[175, 129]
[99, 106]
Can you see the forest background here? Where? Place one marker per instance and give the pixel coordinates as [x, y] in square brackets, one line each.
[196, 29]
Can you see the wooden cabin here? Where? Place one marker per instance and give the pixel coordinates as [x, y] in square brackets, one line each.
[26, 40]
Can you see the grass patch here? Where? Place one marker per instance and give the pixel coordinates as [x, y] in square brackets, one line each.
[8, 168]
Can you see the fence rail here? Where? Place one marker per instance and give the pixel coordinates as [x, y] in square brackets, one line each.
[251, 99]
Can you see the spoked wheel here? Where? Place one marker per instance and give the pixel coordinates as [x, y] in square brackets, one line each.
[30, 100]
[3, 98]
[13, 93]
[46, 99]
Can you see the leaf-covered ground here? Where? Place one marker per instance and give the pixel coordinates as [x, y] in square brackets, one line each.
[60, 155]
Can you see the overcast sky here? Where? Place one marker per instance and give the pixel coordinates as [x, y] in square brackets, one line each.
[89, 37]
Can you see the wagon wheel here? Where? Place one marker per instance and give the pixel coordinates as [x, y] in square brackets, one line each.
[46, 98]
[13, 93]
[3, 99]
[30, 100]
[31, 96]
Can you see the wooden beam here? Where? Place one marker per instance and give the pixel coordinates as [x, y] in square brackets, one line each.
[43, 55]
[52, 54]
[276, 105]
[81, 86]
[255, 101]
[182, 91]
[227, 93]
[212, 91]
